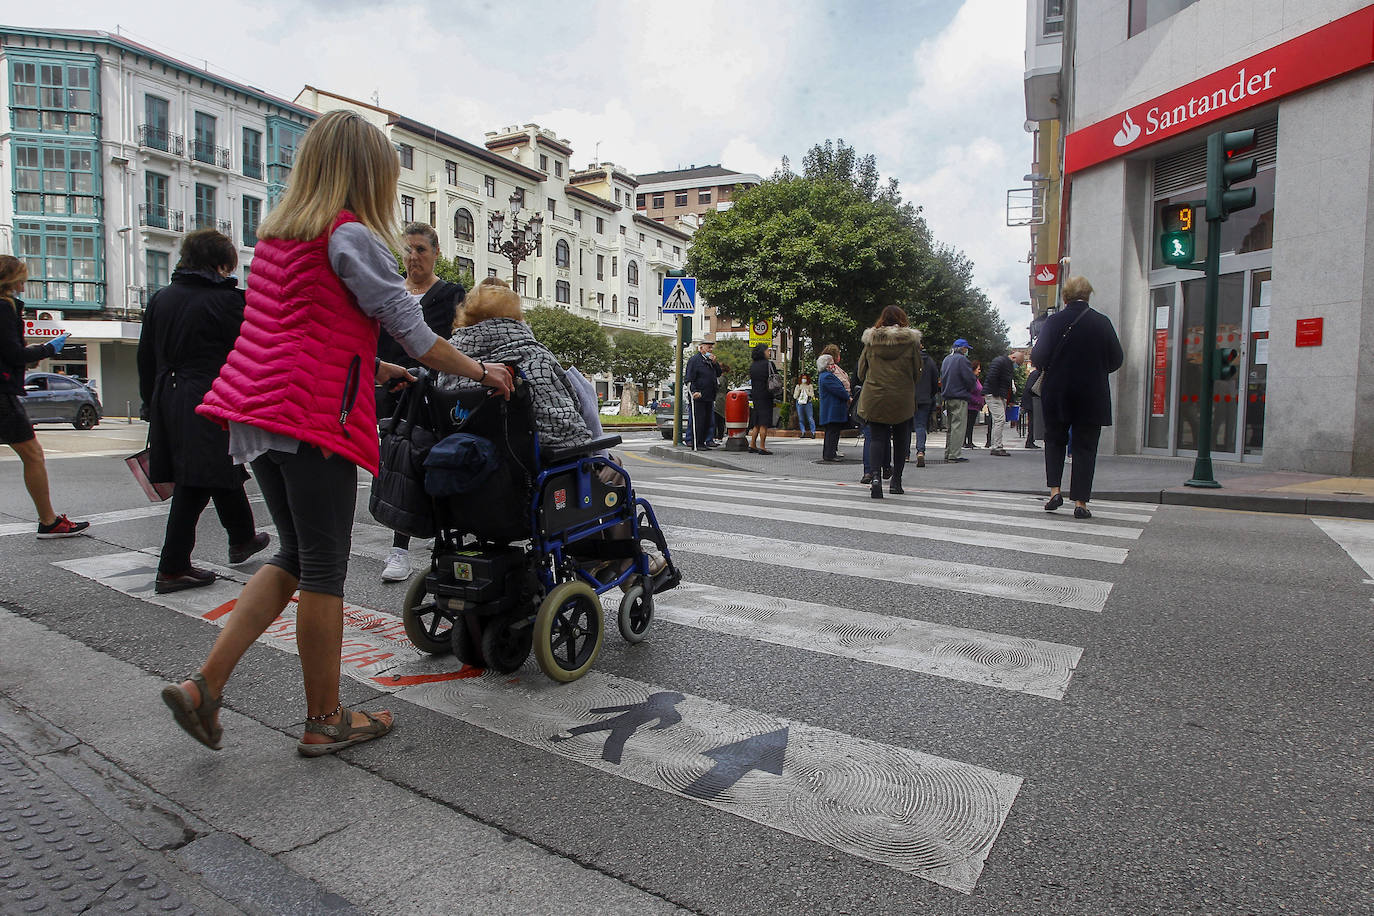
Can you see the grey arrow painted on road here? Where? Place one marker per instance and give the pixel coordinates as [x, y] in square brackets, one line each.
[759, 752]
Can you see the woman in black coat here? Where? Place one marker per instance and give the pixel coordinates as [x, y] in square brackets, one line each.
[761, 414]
[1077, 350]
[189, 328]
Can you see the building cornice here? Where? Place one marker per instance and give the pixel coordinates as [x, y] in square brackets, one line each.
[589, 197]
[643, 220]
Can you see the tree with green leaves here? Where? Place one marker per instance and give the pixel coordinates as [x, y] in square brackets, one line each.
[641, 359]
[448, 269]
[574, 341]
[734, 355]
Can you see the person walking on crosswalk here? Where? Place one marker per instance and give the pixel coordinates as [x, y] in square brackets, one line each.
[294, 395]
[1078, 349]
[889, 368]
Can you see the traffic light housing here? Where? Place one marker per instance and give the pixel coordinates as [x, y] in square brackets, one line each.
[1225, 168]
[1177, 240]
[1225, 367]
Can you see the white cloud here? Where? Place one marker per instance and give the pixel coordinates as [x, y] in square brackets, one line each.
[744, 155]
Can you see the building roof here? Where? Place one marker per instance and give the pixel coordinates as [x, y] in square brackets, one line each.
[655, 224]
[587, 196]
[96, 35]
[703, 172]
[420, 129]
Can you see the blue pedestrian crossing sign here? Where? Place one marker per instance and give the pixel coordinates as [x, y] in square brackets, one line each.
[679, 295]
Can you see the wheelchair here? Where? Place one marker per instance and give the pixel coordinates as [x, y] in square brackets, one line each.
[520, 562]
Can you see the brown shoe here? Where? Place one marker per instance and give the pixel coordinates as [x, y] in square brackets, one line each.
[192, 578]
[920, 459]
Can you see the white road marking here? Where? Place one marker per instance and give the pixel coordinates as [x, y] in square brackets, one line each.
[1354, 537]
[972, 656]
[914, 496]
[993, 540]
[858, 498]
[951, 575]
[924, 815]
[991, 499]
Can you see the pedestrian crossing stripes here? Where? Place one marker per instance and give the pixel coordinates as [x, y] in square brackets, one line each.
[969, 578]
[853, 499]
[915, 496]
[990, 659]
[922, 814]
[1354, 537]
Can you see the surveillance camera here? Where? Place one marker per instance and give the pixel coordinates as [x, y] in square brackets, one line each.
[1064, 263]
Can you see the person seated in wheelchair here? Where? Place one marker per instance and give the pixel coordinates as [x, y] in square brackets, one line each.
[491, 327]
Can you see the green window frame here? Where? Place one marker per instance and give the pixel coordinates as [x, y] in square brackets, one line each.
[65, 263]
[56, 178]
[252, 215]
[54, 93]
[252, 153]
[157, 265]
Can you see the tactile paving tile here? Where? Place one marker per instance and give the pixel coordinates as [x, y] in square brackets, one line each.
[56, 859]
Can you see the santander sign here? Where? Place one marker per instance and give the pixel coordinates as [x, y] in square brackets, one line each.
[1335, 49]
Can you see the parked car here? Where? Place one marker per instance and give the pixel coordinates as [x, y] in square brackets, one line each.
[663, 417]
[53, 398]
[611, 408]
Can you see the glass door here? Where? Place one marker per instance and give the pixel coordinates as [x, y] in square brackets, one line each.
[1226, 401]
[1160, 396]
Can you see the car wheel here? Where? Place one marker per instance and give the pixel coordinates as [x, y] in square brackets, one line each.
[86, 417]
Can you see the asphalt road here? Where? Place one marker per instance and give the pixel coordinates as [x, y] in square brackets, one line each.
[936, 703]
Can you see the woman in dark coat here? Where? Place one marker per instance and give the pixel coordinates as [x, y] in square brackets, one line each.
[1077, 350]
[761, 413]
[834, 409]
[189, 328]
[889, 368]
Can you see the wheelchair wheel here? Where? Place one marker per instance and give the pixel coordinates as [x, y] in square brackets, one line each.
[466, 640]
[426, 624]
[503, 646]
[636, 613]
[568, 631]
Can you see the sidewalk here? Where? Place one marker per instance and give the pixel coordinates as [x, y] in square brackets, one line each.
[1131, 478]
[106, 807]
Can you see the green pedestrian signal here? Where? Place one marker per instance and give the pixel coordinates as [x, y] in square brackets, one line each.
[1224, 169]
[1224, 366]
[1177, 241]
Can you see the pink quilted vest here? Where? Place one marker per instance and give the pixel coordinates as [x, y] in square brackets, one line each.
[303, 363]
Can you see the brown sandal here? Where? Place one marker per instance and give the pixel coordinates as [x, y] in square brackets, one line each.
[198, 721]
[345, 733]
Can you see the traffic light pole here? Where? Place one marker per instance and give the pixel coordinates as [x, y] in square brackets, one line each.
[1202, 465]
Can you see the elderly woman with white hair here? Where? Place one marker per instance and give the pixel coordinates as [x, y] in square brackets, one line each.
[834, 408]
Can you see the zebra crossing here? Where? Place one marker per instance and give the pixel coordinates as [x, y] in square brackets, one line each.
[917, 812]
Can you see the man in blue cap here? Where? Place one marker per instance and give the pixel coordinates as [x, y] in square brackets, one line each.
[956, 383]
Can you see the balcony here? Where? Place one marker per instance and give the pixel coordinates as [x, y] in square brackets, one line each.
[206, 151]
[208, 221]
[151, 217]
[158, 138]
[252, 168]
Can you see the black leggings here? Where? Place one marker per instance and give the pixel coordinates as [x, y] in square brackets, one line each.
[830, 445]
[231, 504]
[1085, 438]
[890, 444]
[312, 499]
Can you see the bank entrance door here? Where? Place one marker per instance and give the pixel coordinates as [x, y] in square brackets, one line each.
[1175, 389]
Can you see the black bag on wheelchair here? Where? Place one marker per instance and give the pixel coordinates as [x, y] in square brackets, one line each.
[398, 499]
[498, 508]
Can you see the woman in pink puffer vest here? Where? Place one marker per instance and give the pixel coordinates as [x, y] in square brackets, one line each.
[296, 396]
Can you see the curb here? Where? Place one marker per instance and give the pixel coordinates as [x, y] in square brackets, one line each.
[1164, 496]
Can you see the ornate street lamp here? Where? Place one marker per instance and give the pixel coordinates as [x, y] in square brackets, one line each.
[524, 237]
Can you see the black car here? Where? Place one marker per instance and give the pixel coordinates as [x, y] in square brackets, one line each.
[53, 398]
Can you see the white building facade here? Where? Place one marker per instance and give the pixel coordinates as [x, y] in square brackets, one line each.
[112, 153]
[1141, 86]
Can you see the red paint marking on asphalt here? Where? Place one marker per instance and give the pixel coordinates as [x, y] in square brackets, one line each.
[407, 680]
[220, 611]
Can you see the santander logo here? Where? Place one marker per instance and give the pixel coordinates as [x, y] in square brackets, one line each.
[1045, 275]
[1128, 133]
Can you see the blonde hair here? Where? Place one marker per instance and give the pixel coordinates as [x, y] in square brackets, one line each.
[13, 274]
[344, 163]
[493, 298]
[1076, 288]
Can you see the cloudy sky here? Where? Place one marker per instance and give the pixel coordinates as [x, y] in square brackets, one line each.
[931, 87]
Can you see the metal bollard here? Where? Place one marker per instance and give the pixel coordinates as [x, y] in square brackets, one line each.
[128, 414]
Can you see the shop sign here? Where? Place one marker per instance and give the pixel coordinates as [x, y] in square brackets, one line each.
[43, 330]
[1046, 274]
[1309, 332]
[1322, 54]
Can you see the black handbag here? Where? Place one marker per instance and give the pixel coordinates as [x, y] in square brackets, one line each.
[398, 499]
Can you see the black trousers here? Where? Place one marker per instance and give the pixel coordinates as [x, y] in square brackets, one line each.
[1085, 437]
[701, 420]
[231, 504]
[890, 444]
[830, 445]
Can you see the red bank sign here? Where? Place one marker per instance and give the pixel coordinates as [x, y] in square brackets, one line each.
[1334, 49]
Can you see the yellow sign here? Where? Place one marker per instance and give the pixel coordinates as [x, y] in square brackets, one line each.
[761, 332]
